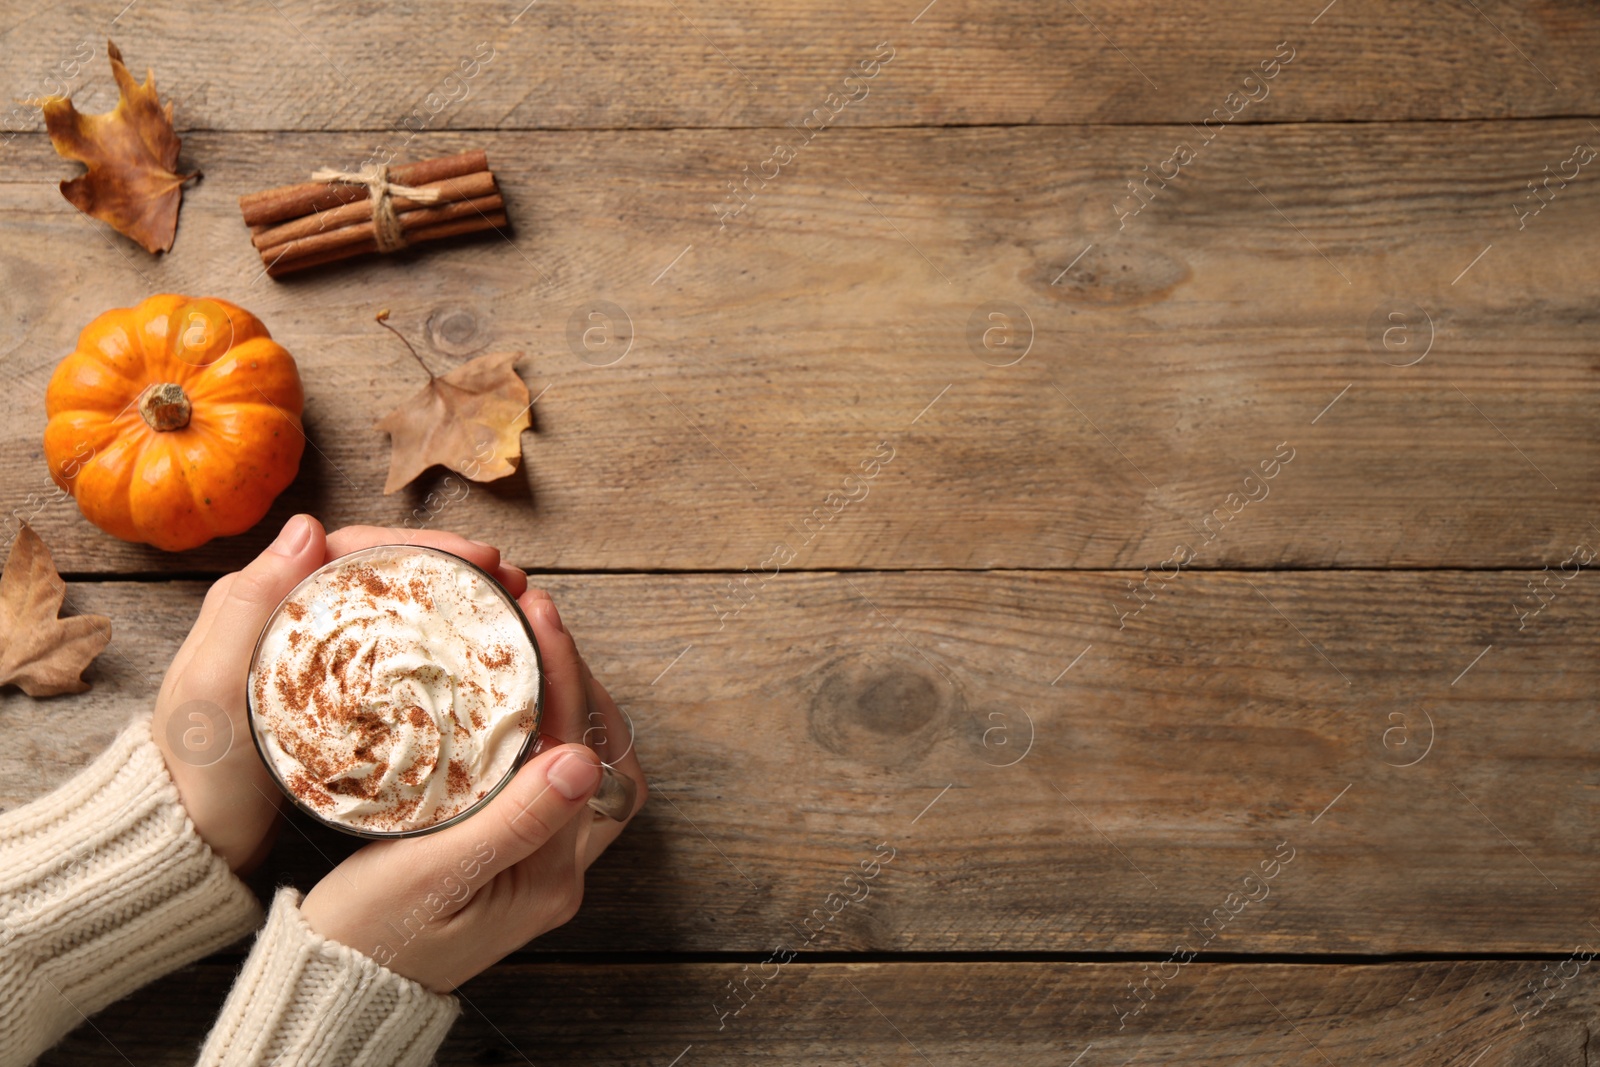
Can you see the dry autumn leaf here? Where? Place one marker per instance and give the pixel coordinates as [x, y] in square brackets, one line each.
[130, 152]
[470, 420]
[41, 654]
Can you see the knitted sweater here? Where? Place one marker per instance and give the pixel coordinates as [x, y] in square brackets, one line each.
[105, 886]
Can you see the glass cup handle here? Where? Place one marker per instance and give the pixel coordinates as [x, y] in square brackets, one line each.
[617, 793]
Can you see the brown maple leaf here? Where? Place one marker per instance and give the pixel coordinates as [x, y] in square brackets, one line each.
[470, 420]
[41, 654]
[130, 152]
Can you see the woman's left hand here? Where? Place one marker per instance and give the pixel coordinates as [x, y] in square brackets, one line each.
[201, 723]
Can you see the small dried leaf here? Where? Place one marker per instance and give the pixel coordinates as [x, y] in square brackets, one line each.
[41, 654]
[470, 420]
[130, 152]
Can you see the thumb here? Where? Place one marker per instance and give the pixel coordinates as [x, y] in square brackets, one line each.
[532, 808]
[253, 592]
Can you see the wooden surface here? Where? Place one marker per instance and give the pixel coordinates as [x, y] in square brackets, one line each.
[1348, 669]
[667, 63]
[770, 360]
[1165, 765]
[1029, 1014]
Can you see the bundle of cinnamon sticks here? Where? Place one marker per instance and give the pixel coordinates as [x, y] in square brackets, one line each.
[317, 222]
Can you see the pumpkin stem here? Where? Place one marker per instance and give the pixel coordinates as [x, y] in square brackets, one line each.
[382, 319]
[165, 406]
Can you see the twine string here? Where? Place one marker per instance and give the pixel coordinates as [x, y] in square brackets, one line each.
[386, 229]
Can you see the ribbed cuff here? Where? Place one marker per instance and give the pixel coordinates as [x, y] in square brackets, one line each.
[305, 1000]
[104, 887]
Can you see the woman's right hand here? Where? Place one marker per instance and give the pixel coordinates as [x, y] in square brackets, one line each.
[445, 906]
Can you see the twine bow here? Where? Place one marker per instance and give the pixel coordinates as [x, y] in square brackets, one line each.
[386, 227]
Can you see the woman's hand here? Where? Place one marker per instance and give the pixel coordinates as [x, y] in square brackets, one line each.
[200, 717]
[442, 907]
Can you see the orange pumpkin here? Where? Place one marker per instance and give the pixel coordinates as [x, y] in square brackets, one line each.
[175, 421]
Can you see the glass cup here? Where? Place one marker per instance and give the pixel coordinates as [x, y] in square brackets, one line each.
[616, 794]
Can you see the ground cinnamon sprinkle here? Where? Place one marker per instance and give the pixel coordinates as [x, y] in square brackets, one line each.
[365, 787]
[370, 730]
[309, 791]
[402, 813]
[419, 593]
[373, 582]
[418, 772]
[280, 674]
[296, 611]
[498, 659]
[308, 753]
[459, 780]
[342, 656]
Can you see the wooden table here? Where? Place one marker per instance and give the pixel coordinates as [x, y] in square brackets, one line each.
[1208, 649]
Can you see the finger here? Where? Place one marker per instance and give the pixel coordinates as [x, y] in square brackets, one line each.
[621, 751]
[515, 579]
[202, 626]
[252, 594]
[565, 701]
[525, 816]
[603, 833]
[610, 731]
[619, 740]
[212, 604]
[558, 860]
[605, 729]
[550, 883]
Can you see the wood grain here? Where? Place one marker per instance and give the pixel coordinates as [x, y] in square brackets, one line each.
[764, 364]
[1028, 1014]
[1169, 759]
[657, 63]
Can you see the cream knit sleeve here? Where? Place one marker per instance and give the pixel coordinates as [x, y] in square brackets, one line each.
[305, 1000]
[104, 886]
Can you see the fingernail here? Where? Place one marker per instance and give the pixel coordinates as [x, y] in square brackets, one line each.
[552, 616]
[574, 775]
[481, 544]
[294, 538]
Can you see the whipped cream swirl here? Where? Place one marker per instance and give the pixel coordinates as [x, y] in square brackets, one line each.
[394, 689]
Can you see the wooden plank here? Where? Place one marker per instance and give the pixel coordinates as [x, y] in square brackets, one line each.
[1153, 769]
[764, 365]
[650, 63]
[1027, 1014]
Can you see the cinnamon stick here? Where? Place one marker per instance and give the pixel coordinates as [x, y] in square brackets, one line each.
[466, 187]
[293, 201]
[361, 236]
[465, 220]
